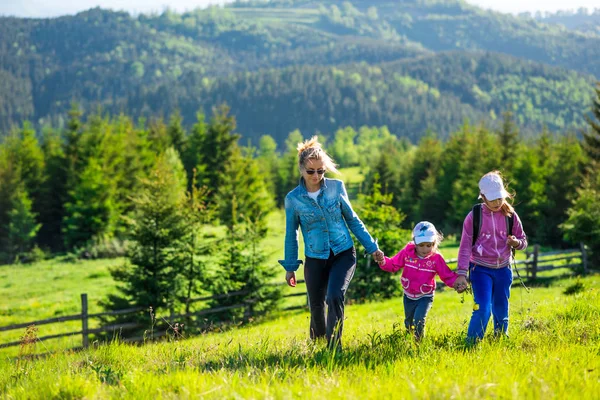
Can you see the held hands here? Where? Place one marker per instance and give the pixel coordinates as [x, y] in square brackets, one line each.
[460, 285]
[290, 277]
[512, 241]
[379, 257]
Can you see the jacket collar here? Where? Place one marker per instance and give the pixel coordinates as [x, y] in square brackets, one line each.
[302, 185]
[487, 211]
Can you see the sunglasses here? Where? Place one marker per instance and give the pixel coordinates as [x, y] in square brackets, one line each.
[312, 171]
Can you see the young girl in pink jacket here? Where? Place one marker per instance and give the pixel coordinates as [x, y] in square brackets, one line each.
[420, 261]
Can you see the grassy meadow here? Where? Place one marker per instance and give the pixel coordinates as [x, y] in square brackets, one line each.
[553, 352]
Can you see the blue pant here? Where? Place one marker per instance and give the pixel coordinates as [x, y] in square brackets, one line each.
[491, 290]
[415, 313]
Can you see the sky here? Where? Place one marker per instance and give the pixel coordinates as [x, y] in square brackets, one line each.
[53, 8]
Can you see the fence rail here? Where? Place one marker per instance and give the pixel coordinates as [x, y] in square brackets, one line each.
[535, 262]
[538, 262]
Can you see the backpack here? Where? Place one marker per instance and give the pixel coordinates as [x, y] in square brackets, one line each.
[510, 221]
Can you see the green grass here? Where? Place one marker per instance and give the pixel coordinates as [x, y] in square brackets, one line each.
[51, 288]
[48, 289]
[553, 353]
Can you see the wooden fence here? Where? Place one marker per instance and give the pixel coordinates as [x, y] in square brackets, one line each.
[536, 262]
[84, 317]
[552, 260]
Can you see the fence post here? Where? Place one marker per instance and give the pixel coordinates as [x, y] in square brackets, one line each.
[534, 264]
[583, 257]
[84, 320]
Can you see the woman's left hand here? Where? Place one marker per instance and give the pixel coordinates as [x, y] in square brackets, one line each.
[378, 256]
[290, 277]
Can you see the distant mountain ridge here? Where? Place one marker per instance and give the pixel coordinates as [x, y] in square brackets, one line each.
[438, 61]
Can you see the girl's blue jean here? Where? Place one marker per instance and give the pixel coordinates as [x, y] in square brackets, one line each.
[415, 313]
[491, 290]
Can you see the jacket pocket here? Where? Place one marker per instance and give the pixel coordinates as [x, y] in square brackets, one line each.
[308, 217]
[334, 211]
[426, 288]
[404, 282]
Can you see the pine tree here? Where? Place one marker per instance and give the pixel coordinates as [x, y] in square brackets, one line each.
[244, 204]
[155, 273]
[529, 180]
[288, 174]
[192, 156]
[584, 214]
[269, 161]
[244, 181]
[216, 150]
[562, 181]
[384, 222]
[21, 165]
[480, 155]
[10, 180]
[591, 138]
[176, 133]
[423, 170]
[583, 221]
[51, 193]
[158, 136]
[195, 247]
[90, 211]
[343, 148]
[23, 227]
[508, 137]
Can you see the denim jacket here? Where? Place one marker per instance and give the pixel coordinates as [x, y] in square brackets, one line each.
[324, 223]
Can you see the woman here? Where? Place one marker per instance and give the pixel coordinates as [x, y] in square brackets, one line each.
[321, 208]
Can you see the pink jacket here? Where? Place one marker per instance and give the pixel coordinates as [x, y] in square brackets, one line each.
[491, 248]
[418, 276]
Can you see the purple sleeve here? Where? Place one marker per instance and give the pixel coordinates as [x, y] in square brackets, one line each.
[519, 233]
[466, 245]
[395, 263]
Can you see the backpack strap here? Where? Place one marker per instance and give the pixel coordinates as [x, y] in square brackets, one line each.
[476, 222]
[510, 222]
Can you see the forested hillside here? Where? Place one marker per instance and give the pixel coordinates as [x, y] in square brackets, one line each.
[436, 92]
[315, 66]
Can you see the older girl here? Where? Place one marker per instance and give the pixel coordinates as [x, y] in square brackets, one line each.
[491, 232]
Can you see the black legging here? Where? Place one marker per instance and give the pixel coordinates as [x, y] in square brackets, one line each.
[326, 283]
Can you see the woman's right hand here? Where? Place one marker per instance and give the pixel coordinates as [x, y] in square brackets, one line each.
[290, 277]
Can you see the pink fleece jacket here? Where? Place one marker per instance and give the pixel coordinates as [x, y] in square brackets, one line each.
[491, 248]
[418, 276]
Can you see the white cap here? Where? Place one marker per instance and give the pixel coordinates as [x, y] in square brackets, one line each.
[492, 187]
[425, 232]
